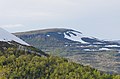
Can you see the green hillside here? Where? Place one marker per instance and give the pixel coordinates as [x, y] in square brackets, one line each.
[22, 64]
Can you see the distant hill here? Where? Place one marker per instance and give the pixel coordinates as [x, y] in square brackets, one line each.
[101, 54]
[66, 36]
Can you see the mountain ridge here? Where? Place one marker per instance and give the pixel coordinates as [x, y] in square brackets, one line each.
[67, 33]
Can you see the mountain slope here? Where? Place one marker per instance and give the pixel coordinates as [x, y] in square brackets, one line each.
[6, 36]
[100, 54]
[66, 38]
[8, 40]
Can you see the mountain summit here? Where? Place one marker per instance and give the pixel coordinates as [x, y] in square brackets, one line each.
[8, 37]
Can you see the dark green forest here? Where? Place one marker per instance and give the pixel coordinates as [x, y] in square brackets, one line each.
[21, 64]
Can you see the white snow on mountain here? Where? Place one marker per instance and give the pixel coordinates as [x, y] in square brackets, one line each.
[76, 37]
[48, 35]
[87, 50]
[6, 37]
[104, 49]
[112, 46]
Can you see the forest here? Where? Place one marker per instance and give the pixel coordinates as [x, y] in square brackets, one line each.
[20, 64]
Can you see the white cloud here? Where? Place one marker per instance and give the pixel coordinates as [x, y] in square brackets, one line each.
[12, 26]
[46, 9]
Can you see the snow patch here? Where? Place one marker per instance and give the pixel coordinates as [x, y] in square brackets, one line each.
[87, 50]
[6, 36]
[59, 33]
[112, 46]
[104, 49]
[48, 35]
[75, 36]
[66, 45]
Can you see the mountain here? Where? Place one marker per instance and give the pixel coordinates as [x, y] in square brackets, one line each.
[66, 38]
[7, 37]
[100, 54]
[117, 41]
[8, 40]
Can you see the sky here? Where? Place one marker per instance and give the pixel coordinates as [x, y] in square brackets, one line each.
[97, 18]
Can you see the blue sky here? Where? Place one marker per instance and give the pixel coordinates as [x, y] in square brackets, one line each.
[98, 18]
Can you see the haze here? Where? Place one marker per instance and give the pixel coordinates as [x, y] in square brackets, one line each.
[98, 18]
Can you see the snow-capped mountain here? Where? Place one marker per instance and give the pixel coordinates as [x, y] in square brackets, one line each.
[68, 38]
[8, 37]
